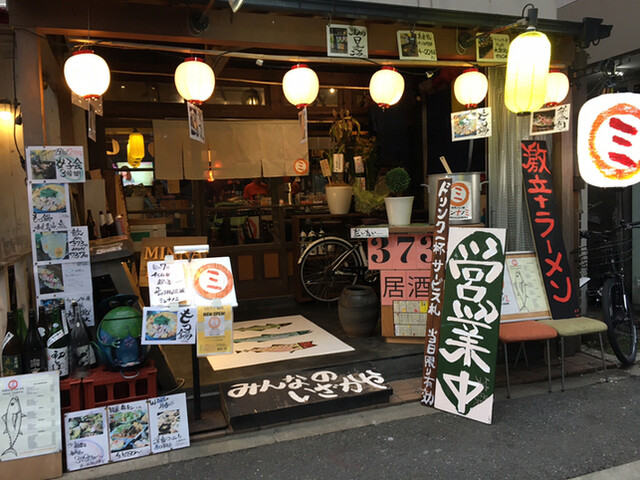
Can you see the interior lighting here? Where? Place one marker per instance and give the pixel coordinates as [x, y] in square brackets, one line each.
[470, 88]
[6, 114]
[87, 74]
[557, 88]
[135, 149]
[386, 87]
[194, 80]
[300, 85]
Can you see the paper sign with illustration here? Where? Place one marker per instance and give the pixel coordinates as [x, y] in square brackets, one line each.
[196, 122]
[84, 299]
[347, 41]
[128, 430]
[86, 438]
[58, 164]
[417, 45]
[550, 120]
[493, 48]
[66, 278]
[48, 204]
[62, 245]
[167, 282]
[471, 124]
[168, 423]
[29, 415]
[215, 330]
[211, 282]
[166, 326]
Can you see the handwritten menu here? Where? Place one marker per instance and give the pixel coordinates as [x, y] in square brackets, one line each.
[166, 326]
[48, 204]
[417, 45]
[87, 438]
[30, 415]
[215, 330]
[128, 430]
[167, 282]
[168, 423]
[347, 41]
[57, 163]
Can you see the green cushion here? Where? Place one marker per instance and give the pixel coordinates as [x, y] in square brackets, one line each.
[570, 327]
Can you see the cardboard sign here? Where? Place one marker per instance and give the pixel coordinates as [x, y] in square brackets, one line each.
[168, 423]
[470, 323]
[128, 430]
[436, 298]
[547, 234]
[86, 438]
[167, 326]
[156, 248]
[214, 330]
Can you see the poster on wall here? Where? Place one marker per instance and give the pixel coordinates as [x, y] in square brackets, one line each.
[168, 423]
[416, 45]
[86, 438]
[29, 415]
[550, 120]
[493, 48]
[470, 322]
[471, 124]
[347, 41]
[167, 326]
[128, 430]
[57, 163]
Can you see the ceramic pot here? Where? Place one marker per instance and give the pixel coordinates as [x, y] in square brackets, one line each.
[358, 310]
[339, 198]
[399, 210]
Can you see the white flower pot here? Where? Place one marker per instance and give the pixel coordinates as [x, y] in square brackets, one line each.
[339, 198]
[399, 210]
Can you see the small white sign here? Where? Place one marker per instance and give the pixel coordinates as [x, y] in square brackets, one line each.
[63, 164]
[168, 423]
[167, 282]
[347, 41]
[417, 45]
[471, 124]
[166, 326]
[369, 232]
[338, 162]
[196, 122]
[550, 120]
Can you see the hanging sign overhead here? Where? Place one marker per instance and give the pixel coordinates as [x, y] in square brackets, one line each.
[471, 124]
[550, 120]
[492, 49]
[347, 41]
[416, 45]
[609, 140]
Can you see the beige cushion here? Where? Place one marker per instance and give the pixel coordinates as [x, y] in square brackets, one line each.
[570, 327]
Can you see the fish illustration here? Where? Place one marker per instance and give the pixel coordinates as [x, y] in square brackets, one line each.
[280, 347]
[266, 326]
[13, 424]
[266, 337]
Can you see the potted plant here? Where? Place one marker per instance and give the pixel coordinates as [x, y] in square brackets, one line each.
[398, 207]
[344, 134]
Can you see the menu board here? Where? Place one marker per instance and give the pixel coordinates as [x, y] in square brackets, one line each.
[128, 430]
[87, 438]
[29, 415]
[215, 330]
[168, 326]
[168, 423]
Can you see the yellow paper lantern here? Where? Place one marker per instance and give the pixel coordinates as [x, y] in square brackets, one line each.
[608, 140]
[527, 71]
[470, 88]
[300, 86]
[87, 74]
[194, 80]
[135, 149]
[557, 88]
[386, 87]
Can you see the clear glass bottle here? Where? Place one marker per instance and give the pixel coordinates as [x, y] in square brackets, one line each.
[79, 345]
[34, 357]
[43, 327]
[12, 348]
[58, 343]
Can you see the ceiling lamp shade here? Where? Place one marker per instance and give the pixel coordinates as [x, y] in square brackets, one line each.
[386, 87]
[557, 88]
[195, 80]
[135, 149]
[607, 140]
[527, 70]
[470, 88]
[87, 74]
[300, 86]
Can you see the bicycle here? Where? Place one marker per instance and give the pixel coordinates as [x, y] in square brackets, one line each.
[604, 258]
[330, 264]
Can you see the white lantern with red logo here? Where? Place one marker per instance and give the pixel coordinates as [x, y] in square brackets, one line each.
[608, 140]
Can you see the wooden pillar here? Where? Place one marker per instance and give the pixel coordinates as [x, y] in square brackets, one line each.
[29, 87]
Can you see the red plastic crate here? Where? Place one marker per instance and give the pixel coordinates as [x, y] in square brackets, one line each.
[70, 395]
[104, 387]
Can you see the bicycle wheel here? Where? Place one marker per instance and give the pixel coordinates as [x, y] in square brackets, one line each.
[619, 319]
[327, 266]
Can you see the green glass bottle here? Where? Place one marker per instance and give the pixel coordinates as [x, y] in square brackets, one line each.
[34, 358]
[12, 349]
[58, 343]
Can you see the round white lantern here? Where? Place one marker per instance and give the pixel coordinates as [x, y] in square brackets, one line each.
[300, 86]
[470, 88]
[87, 74]
[557, 88]
[194, 80]
[386, 87]
[527, 70]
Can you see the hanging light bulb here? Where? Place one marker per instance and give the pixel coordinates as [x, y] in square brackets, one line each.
[557, 88]
[135, 149]
[300, 86]
[195, 80]
[527, 69]
[87, 74]
[470, 88]
[386, 87]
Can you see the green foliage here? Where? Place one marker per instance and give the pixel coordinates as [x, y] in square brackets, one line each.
[397, 180]
[368, 201]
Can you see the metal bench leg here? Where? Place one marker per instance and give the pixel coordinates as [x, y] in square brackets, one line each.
[506, 367]
[562, 364]
[549, 364]
[604, 364]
